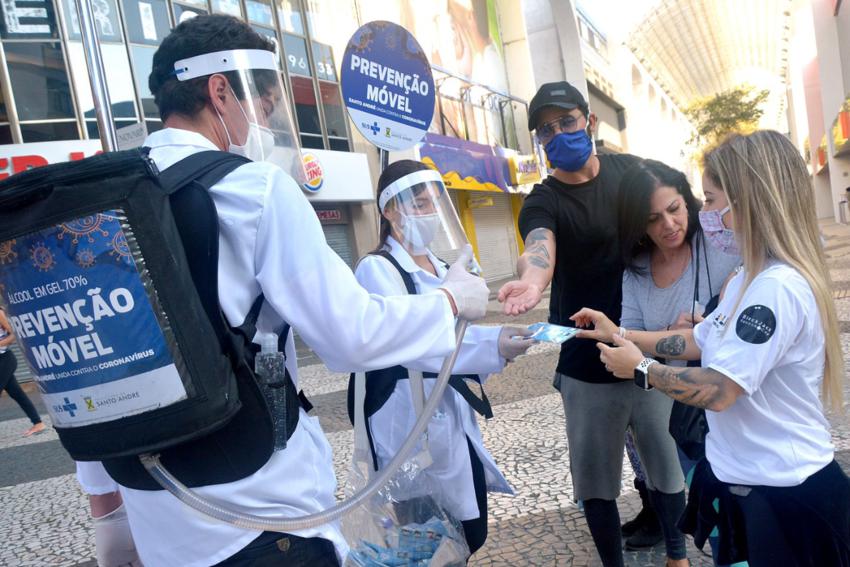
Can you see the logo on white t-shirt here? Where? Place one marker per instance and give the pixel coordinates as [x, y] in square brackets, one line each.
[718, 321]
[756, 324]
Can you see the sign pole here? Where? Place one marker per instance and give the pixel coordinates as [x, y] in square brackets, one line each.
[97, 75]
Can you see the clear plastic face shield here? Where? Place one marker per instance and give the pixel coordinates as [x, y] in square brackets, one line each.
[421, 213]
[256, 116]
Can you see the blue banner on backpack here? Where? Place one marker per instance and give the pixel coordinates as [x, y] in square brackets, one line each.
[78, 306]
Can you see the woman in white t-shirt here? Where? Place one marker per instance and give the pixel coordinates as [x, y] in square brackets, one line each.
[767, 350]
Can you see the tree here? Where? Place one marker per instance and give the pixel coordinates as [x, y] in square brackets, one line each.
[735, 110]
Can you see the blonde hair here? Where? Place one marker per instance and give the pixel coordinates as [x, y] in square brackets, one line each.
[770, 194]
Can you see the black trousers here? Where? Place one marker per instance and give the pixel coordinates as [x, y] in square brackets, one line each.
[799, 526]
[475, 530]
[8, 365]
[272, 549]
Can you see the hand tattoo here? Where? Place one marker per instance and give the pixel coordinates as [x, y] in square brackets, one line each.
[671, 346]
[701, 387]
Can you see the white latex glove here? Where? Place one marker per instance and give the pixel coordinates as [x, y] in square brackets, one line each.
[468, 291]
[113, 540]
[509, 347]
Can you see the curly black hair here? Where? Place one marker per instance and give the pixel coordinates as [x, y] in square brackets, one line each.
[196, 36]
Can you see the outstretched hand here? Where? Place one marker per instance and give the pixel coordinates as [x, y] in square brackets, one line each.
[519, 296]
[603, 328]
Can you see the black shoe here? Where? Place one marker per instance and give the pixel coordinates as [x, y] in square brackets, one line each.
[646, 536]
[632, 526]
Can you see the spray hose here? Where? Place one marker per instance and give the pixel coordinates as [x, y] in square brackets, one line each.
[220, 511]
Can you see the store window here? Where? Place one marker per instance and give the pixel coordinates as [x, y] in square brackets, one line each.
[314, 77]
[28, 19]
[5, 128]
[260, 12]
[49, 131]
[183, 12]
[289, 16]
[39, 80]
[229, 7]
[146, 21]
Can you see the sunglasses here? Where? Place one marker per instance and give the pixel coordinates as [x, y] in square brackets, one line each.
[567, 123]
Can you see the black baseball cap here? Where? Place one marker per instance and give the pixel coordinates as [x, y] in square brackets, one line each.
[560, 94]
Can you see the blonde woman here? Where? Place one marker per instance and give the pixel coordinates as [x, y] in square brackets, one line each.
[768, 350]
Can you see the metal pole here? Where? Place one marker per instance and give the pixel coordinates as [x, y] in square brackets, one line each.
[385, 159]
[97, 75]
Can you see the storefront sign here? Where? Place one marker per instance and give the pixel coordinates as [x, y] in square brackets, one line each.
[466, 165]
[387, 86]
[313, 171]
[329, 215]
[15, 158]
[480, 202]
[132, 136]
[524, 169]
[27, 19]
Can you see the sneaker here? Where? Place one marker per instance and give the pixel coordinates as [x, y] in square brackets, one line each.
[35, 429]
[646, 536]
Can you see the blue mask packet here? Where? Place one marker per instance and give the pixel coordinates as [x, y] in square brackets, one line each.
[549, 333]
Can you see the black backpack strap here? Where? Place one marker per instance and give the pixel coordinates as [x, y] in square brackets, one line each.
[405, 275]
[205, 168]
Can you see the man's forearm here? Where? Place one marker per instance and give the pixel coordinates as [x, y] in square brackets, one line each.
[700, 387]
[537, 264]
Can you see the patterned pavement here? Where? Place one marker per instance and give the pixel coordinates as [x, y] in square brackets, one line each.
[44, 519]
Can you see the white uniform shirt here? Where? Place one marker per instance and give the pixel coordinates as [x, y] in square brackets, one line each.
[454, 420]
[773, 347]
[272, 242]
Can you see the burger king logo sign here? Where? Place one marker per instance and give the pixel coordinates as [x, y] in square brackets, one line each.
[313, 171]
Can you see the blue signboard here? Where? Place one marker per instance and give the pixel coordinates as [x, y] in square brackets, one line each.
[79, 308]
[387, 86]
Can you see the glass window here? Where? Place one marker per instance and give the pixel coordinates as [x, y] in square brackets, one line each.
[30, 19]
[334, 112]
[296, 55]
[4, 117]
[153, 125]
[142, 58]
[229, 7]
[305, 106]
[118, 78]
[339, 144]
[5, 134]
[259, 12]
[312, 142]
[324, 59]
[290, 16]
[105, 20]
[94, 134]
[272, 37]
[146, 21]
[39, 81]
[183, 13]
[49, 132]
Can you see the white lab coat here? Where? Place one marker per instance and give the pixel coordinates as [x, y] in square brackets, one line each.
[454, 420]
[272, 242]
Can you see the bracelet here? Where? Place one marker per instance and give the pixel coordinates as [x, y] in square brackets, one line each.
[622, 332]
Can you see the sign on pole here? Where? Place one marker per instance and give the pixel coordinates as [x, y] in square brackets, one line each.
[387, 86]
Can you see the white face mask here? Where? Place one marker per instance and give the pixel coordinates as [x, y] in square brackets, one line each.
[420, 230]
[258, 144]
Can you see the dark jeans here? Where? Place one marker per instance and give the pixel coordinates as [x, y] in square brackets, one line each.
[475, 531]
[8, 365]
[278, 549]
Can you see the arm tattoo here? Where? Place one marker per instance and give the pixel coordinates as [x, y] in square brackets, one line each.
[701, 387]
[538, 262]
[671, 346]
[537, 235]
[539, 250]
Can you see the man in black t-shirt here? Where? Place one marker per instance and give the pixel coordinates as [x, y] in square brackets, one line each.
[569, 224]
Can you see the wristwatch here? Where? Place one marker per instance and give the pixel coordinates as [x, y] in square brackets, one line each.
[642, 373]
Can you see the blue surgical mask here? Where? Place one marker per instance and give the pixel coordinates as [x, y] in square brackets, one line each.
[569, 150]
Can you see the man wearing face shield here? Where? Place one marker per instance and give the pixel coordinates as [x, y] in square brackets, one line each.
[416, 215]
[569, 223]
[217, 87]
